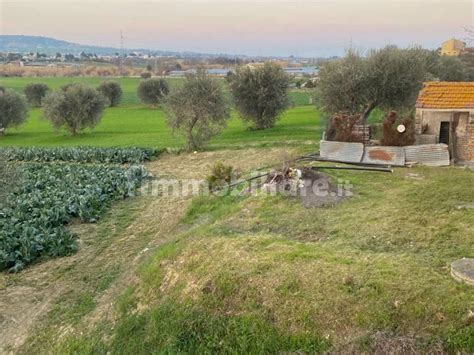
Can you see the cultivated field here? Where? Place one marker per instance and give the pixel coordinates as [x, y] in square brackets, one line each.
[133, 123]
[251, 273]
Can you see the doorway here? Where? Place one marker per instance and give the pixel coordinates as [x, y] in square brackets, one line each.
[444, 133]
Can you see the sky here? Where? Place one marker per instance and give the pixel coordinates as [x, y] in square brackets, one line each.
[312, 28]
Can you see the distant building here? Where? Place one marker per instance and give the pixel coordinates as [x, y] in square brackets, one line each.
[453, 47]
[445, 114]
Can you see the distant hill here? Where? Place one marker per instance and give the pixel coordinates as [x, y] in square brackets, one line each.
[47, 45]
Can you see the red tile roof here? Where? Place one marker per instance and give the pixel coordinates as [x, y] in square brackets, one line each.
[446, 95]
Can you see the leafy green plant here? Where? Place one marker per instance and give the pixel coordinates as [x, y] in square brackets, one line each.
[80, 154]
[49, 197]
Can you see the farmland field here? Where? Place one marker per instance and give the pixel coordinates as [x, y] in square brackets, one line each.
[133, 124]
[250, 273]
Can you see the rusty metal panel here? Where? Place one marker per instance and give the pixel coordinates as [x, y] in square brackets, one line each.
[341, 151]
[428, 154]
[384, 155]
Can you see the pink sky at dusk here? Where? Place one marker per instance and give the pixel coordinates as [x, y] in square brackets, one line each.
[303, 28]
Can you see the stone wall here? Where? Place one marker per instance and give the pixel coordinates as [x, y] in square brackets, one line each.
[427, 126]
[466, 142]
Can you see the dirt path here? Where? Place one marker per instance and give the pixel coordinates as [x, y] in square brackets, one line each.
[60, 294]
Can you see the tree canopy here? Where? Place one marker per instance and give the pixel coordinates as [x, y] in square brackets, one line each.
[153, 91]
[198, 109]
[112, 91]
[13, 109]
[75, 107]
[260, 94]
[35, 93]
[387, 78]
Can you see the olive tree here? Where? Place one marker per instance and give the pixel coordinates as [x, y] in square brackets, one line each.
[198, 109]
[153, 91]
[388, 78]
[74, 107]
[111, 91]
[35, 93]
[13, 110]
[260, 94]
[452, 69]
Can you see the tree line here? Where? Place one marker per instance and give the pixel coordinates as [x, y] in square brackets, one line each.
[198, 108]
[386, 79]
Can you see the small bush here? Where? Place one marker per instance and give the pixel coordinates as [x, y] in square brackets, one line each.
[74, 107]
[112, 91]
[391, 136]
[145, 75]
[341, 128]
[13, 110]
[35, 93]
[153, 91]
[221, 176]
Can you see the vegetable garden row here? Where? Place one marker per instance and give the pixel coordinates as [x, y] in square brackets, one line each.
[80, 154]
[48, 196]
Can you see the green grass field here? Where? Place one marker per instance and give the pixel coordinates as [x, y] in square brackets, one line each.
[133, 124]
[250, 273]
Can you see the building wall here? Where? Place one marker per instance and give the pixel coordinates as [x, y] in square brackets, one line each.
[427, 127]
[452, 47]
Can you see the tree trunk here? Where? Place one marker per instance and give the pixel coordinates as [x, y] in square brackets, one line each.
[368, 110]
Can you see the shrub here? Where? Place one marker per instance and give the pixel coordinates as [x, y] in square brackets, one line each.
[221, 176]
[112, 91]
[153, 91]
[341, 128]
[74, 107]
[13, 110]
[391, 136]
[145, 75]
[198, 109]
[261, 94]
[35, 93]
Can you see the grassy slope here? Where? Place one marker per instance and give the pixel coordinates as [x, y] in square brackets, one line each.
[263, 274]
[133, 124]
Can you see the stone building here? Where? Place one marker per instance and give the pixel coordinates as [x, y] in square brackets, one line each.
[445, 114]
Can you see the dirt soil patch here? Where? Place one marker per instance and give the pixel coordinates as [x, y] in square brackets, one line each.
[314, 188]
